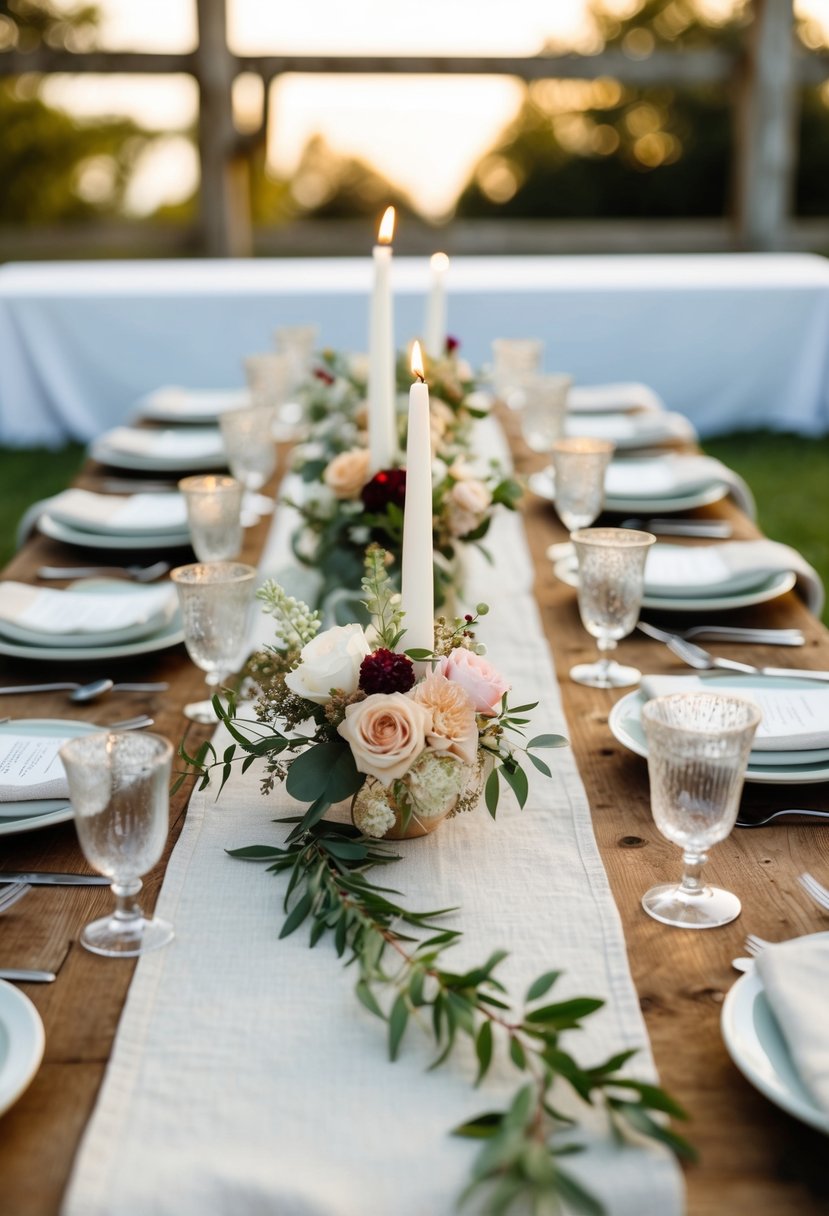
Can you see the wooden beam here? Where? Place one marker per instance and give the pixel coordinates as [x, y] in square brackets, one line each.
[767, 135]
[45, 59]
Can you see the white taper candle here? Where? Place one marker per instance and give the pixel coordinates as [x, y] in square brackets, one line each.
[418, 590]
[435, 331]
[382, 408]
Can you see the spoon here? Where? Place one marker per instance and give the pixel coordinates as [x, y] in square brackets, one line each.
[81, 693]
[749, 822]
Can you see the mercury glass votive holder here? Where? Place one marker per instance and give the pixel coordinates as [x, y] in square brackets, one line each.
[214, 508]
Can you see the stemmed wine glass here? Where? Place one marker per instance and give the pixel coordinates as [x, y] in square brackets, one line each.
[248, 440]
[214, 598]
[579, 468]
[214, 505]
[119, 786]
[544, 410]
[611, 585]
[515, 361]
[698, 748]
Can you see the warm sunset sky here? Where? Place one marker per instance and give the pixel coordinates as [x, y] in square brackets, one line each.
[426, 133]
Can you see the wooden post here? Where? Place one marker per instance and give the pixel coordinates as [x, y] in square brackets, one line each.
[766, 147]
[224, 208]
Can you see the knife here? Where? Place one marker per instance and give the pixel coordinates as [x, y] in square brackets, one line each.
[47, 879]
[27, 977]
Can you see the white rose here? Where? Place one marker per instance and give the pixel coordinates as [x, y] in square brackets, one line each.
[468, 502]
[330, 660]
[347, 473]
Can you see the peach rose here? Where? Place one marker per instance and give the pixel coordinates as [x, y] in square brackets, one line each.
[347, 473]
[454, 728]
[468, 501]
[484, 684]
[386, 734]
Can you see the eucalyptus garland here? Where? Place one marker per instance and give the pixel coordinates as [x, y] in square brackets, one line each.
[399, 975]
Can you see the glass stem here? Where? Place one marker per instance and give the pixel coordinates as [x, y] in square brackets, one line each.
[604, 644]
[127, 909]
[692, 885]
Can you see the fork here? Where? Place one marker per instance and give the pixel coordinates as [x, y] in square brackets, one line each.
[11, 894]
[754, 945]
[703, 660]
[741, 633]
[140, 574]
[815, 890]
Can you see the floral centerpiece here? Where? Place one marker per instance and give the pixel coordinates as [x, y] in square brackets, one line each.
[409, 737]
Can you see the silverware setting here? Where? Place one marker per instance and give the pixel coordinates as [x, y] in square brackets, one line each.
[139, 574]
[19, 887]
[709, 529]
[81, 693]
[134, 485]
[815, 890]
[702, 660]
[48, 879]
[18, 975]
[745, 821]
[729, 633]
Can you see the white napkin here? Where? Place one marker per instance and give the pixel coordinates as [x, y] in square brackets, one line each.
[725, 569]
[173, 401]
[671, 474]
[632, 430]
[794, 719]
[616, 398]
[795, 975]
[193, 443]
[136, 514]
[62, 613]
[31, 768]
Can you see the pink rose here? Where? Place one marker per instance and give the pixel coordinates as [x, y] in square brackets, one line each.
[347, 473]
[484, 684]
[468, 502]
[386, 734]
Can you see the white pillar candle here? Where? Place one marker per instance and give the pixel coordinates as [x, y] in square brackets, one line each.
[418, 592]
[435, 332]
[382, 411]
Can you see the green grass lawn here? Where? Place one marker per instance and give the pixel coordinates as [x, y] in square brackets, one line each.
[788, 475]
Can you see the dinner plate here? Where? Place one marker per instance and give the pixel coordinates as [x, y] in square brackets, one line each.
[90, 586]
[197, 407]
[21, 1043]
[140, 463]
[566, 569]
[666, 504]
[28, 814]
[60, 530]
[625, 722]
[169, 635]
[755, 1043]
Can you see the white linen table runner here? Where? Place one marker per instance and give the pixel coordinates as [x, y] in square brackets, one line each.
[247, 1080]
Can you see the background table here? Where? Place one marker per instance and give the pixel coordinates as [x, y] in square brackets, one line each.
[80, 342]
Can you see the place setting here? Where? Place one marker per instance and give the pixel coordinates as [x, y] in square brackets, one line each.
[161, 449]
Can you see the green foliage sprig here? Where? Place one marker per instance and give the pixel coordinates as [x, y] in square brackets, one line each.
[401, 979]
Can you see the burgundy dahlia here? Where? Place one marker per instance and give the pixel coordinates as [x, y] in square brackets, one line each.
[452, 345]
[387, 486]
[323, 375]
[385, 671]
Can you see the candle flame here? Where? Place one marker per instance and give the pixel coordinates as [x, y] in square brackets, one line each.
[439, 262]
[386, 232]
[417, 362]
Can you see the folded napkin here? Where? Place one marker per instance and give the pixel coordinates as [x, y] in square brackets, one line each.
[63, 613]
[633, 430]
[794, 976]
[173, 401]
[31, 768]
[612, 398]
[672, 474]
[135, 514]
[726, 569]
[196, 442]
[794, 719]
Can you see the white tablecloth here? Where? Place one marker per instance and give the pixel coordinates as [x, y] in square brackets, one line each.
[247, 1080]
[733, 341]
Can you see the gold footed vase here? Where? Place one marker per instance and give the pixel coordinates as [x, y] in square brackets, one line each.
[436, 786]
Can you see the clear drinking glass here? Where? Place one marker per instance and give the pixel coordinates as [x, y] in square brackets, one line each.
[515, 361]
[698, 746]
[611, 585]
[248, 440]
[272, 379]
[544, 410]
[298, 342]
[214, 598]
[579, 468]
[119, 786]
[214, 506]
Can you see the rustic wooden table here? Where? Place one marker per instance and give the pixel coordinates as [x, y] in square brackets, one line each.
[753, 1157]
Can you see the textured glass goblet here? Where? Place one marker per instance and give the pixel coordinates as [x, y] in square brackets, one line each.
[272, 378]
[698, 746]
[515, 360]
[579, 467]
[248, 439]
[298, 342]
[119, 786]
[214, 598]
[214, 507]
[611, 584]
[544, 411]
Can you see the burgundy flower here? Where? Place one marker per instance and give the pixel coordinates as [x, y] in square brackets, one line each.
[385, 671]
[452, 345]
[387, 486]
[322, 374]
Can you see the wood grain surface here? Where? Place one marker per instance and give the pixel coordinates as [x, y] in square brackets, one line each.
[753, 1158]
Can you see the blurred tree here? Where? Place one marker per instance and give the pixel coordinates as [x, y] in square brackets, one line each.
[330, 186]
[600, 149]
[54, 167]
